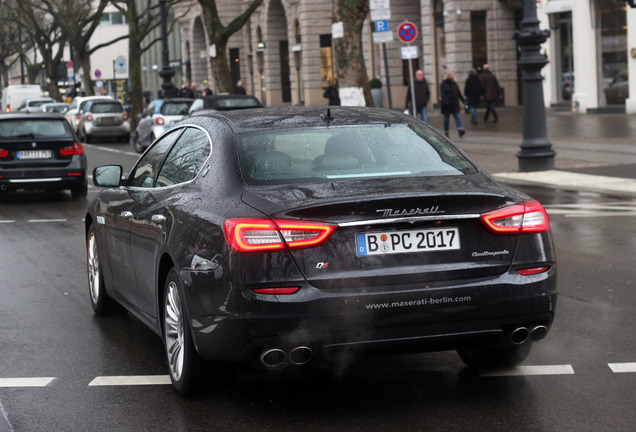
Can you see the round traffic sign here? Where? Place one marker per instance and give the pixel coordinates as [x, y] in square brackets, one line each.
[407, 32]
[98, 73]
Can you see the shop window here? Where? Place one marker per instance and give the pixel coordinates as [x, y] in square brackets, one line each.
[326, 60]
[479, 38]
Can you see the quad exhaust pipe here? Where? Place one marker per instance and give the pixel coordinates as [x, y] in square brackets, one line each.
[522, 334]
[274, 357]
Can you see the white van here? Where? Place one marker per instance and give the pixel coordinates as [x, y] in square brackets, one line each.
[14, 95]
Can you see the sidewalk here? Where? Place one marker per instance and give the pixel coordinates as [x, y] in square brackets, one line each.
[595, 152]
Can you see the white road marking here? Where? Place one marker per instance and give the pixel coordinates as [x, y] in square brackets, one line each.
[625, 208]
[46, 220]
[130, 380]
[112, 150]
[7, 221]
[622, 367]
[530, 370]
[26, 382]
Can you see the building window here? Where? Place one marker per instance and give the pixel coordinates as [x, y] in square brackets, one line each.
[479, 38]
[326, 60]
[284, 71]
[235, 65]
[112, 18]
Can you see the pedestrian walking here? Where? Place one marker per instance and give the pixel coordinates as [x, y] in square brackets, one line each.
[239, 89]
[451, 95]
[492, 92]
[422, 95]
[473, 91]
[332, 93]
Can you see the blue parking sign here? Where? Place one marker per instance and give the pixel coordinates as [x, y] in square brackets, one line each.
[381, 26]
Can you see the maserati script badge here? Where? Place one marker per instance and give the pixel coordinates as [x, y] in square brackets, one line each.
[412, 212]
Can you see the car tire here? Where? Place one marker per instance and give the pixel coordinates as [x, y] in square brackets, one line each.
[139, 148]
[183, 360]
[79, 192]
[495, 357]
[100, 301]
[87, 138]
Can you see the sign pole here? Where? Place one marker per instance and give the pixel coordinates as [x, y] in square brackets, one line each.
[413, 104]
[388, 77]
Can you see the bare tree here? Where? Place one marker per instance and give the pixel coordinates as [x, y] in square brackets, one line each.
[349, 55]
[43, 35]
[9, 37]
[78, 20]
[143, 17]
[219, 36]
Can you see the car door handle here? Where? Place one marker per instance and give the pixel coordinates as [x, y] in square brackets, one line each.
[158, 219]
[126, 215]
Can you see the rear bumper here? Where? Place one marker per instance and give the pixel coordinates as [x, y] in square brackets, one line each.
[54, 178]
[114, 130]
[418, 320]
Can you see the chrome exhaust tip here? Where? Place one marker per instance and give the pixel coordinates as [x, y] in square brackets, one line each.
[519, 335]
[273, 357]
[538, 332]
[301, 355]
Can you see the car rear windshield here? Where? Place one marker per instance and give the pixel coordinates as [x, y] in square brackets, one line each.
[34, 128]
[233, 103]
[175, 108]
[325, 154]
[106, 107]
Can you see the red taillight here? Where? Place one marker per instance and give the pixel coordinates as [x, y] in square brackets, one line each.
[89, 117]
[529, 216]
[77, 116]
[276, 291]
[4, 153]
[125, 116]
[533, 270]
[160, 121]
[259, 235]
[75, 149]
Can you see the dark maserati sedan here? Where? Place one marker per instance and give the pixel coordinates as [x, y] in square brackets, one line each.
[288, 236]
[40, 151]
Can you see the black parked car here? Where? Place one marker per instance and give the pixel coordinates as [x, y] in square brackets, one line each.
[210, 104]
[287, 236]
[40, 151]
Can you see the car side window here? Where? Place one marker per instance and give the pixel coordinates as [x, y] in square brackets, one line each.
[185, 159]
[146, 169]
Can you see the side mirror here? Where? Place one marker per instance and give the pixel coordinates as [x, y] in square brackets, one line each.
[107, 175]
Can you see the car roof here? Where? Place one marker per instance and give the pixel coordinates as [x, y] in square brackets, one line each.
[249, 120]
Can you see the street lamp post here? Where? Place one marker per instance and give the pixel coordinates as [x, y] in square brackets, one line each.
[536, 151]
[169, 90]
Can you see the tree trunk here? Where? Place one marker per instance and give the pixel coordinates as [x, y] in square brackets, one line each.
[350, 65]
[84, 60]
[134, 74]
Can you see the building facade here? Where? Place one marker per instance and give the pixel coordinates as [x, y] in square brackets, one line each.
[284, 54]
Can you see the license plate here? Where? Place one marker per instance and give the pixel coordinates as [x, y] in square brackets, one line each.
[395, 242]
[34, 154]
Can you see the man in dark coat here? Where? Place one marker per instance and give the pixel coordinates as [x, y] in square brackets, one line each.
[332, 92]
[422, 95]
[451, 95]
[492, 92]
[473, 92]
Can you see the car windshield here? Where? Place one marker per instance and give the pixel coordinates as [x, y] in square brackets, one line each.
[37, 103]
[32, 128]
[175, 108]
[106, 107]
[230, 103]
[325, 154]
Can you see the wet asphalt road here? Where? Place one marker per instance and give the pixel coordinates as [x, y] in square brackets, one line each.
[50, 335]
